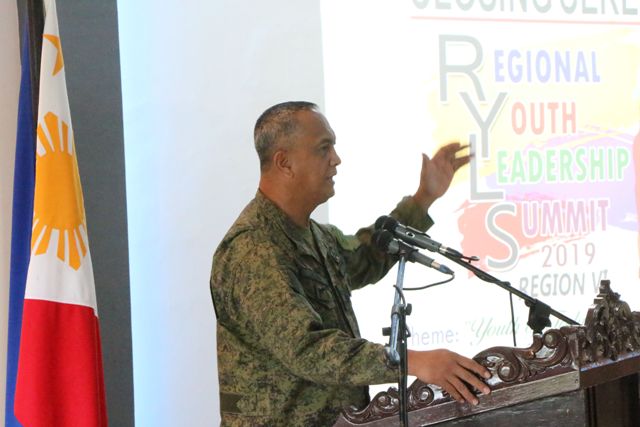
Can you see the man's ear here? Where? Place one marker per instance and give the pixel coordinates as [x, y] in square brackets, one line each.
[282, 162]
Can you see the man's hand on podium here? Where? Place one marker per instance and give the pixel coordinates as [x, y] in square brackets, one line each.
[449, 370]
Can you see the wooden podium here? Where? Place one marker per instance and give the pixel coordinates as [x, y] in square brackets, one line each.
[572, 376]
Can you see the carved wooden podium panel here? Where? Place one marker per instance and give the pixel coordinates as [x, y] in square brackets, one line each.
[573, 376]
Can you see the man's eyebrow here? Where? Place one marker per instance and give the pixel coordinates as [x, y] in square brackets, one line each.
[327, 140]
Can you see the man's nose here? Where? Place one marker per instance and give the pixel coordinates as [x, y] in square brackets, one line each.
[335, 159]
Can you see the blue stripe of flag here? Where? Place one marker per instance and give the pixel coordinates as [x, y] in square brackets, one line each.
[23, 188]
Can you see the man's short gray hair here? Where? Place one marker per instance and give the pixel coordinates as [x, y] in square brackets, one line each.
[275, 125]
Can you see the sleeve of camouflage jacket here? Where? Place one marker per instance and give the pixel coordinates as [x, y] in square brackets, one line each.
[365, 263]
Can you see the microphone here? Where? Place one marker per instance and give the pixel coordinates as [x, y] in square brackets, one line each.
[385, 241]
[414, 237]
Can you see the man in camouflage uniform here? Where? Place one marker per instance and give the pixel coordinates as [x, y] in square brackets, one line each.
[289, 348]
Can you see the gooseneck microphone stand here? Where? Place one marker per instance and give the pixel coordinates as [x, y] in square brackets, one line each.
[538, 311]
[398, 333]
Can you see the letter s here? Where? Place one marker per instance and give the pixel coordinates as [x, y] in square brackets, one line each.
[503, 236]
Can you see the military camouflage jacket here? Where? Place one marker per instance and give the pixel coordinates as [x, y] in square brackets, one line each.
[289, 348]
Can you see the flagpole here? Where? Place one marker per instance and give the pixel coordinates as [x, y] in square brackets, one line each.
[35, 21]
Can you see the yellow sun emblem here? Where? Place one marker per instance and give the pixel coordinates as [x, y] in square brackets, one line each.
[58, 202]
[55, 40]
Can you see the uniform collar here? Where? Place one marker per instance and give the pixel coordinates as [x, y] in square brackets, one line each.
[299, 236]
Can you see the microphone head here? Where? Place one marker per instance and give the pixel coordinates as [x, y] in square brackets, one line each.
[380, 222]
[382, 239]
[389, 223]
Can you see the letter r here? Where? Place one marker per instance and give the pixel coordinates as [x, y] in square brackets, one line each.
[468, 69]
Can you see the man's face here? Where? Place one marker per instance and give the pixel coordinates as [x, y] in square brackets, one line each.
[313, 158]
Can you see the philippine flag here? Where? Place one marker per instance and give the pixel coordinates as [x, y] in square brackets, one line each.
[60, 376]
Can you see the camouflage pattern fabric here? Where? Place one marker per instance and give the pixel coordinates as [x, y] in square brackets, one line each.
[289, 348]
